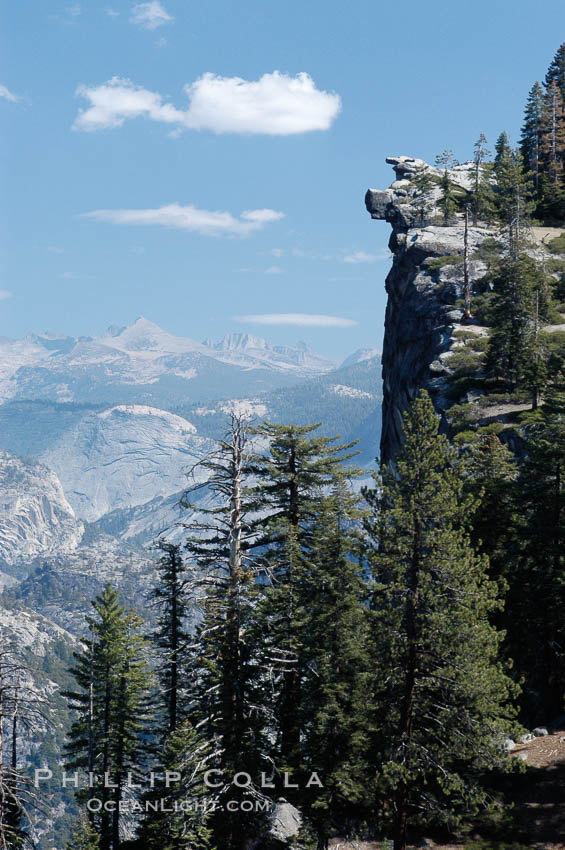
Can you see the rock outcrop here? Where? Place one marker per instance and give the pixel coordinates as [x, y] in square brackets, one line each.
[35, 517]
[422, 310]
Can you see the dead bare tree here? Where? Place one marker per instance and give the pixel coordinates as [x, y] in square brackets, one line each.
[21, 708]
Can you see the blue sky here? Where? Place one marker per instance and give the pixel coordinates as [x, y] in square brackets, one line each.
[111, 192]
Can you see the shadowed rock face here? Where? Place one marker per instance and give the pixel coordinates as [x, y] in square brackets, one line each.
[421, 314]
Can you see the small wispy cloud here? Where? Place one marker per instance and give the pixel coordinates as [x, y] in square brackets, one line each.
[112, 13]
[275, 105]
[205, 222]
[68, 276]
[304, 320]
[8, 95]
[358, 257]
[54, 250]
[74, 11]
[274, 270]
[150, 15]
[4, 293]
[303, 254]
[277, 252]
[343, 278]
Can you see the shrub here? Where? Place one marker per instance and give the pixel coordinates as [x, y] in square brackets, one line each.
[465, 438]
[557, 245]
[489, 251]
[461, 416]
[495, 428]
[482, 307]
[449, 260]
[463, 335]
[465, 361]
[494, 399]
[458, 386]
[478, 343]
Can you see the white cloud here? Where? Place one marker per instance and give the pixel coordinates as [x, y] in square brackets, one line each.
[8, 95]
[205, 222]
[358, 257]
[150, 15]
[74, 11]
[4, 294]
[275, 105]
[112, 13]
[68, 276]
[118, 100]
[277, 252]
[297, 319]
[274, 270]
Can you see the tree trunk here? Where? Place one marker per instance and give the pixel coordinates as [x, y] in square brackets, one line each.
[407, 707]
[466, 281]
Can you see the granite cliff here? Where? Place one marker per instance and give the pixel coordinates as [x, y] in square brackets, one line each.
[424, 324]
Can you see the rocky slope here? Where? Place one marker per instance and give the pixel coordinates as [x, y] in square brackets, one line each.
[35, 517]
[124, 456]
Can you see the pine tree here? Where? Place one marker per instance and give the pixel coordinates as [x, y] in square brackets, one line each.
[441, 694]
[83, 836]
[292, 476]
[552, 149]
[514, 319]
[106, 737]
[425, 187]
[177, 809]
[513, 195]
[482, 196]
[532, 129]
[297, 465]
[333, 635]
[171, 637]
[556, 71]
[447, 201]
[490, 471]
[536, 595]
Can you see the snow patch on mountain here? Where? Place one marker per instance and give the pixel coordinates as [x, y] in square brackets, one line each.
[246, 407]
[362, 355]
[246, 349]
[352, 392]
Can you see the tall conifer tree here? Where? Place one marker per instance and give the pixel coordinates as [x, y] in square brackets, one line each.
[441, 693]
[106, 738]
[292, 475]
[556, 71]
[531, 139]
[171, 637]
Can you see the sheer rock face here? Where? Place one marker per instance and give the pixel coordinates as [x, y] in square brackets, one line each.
[421, 314]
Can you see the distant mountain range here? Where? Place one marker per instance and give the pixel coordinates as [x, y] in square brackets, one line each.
[119, 419]
[144, 364]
